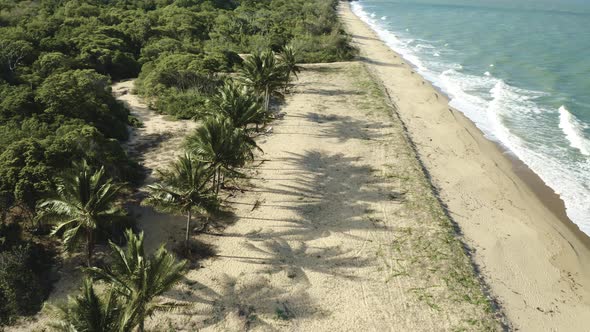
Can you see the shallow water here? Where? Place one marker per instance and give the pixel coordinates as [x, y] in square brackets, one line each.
[519, 69]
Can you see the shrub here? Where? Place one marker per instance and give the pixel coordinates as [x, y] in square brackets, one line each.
[323, 48]
[23, 284]
[180, 104]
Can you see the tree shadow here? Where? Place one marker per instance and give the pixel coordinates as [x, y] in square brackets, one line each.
[346, 128]
[241, 303]
[142, 143]
[333, 197]
[379, 63]
[296, 259]
[331, 92]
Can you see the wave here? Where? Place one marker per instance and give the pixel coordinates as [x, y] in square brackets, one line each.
[505, 114]
[574, 131]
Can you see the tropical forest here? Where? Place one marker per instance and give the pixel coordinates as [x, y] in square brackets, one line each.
[68, 180]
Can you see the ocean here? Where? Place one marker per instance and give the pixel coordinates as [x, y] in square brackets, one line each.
[519, 69]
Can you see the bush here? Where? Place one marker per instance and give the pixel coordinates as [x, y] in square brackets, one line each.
[23, 284]
[323, 48]
[182, 105]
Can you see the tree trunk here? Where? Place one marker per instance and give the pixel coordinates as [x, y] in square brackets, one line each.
[267, 99]
[141, 323]
[89, 247]
[188, 227]
[286, 86]
[215, 180]
[218, 182]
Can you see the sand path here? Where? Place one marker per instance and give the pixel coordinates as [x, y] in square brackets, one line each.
[156, 144]
[338, 231]
[537, 264]
[158, 141]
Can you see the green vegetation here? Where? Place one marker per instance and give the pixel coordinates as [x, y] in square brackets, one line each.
[223, 146]
[57, 62]
[261, 73]
[133, 281]
[185, 188]
[85, 202]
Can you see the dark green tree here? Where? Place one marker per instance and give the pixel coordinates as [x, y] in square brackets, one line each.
[223, 146]
[238, 103]
[139, 278]
[84, 201]
[186, 188]
[92, 312]
[263, 74]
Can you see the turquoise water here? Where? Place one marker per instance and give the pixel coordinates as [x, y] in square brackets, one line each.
[519, 69]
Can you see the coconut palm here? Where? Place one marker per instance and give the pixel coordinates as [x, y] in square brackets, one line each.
[138, 278]
[184, 188]
[289, 63]
[238, 103]
[223, 146]
[85, 200]
[263, 74]
[91, 312]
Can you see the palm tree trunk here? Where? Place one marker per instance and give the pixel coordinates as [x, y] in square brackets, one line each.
[287, 81]
[141, 324]
[218, 182]
[89, 247]
[215, 180]
[266, 99]
[188, 226]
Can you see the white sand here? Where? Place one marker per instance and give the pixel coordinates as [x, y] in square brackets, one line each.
[339, 231]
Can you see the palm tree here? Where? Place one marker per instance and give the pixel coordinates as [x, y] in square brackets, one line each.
[239, 104]
[289, 63]
[84, 201]
[262, 73]
[223, 146]
[185, 187]
[139, 279]
[91, 312]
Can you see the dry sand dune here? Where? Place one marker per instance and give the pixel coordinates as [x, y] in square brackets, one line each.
[338, 231]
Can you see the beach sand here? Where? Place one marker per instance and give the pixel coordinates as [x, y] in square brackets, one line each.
[337, 230]
[535, 261]
[156, 144]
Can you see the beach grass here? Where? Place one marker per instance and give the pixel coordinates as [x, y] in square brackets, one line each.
[429, 249]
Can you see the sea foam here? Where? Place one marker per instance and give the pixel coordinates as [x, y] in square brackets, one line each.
[503, 112]
[574, 131]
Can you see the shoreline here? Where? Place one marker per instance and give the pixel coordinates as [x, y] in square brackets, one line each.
[544, 192]
[566, 248]
[551, 199]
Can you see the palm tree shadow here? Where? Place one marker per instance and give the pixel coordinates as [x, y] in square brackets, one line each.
[296, 259]
[238, 303]
[334, 199]
[220, 220]
[346, 128]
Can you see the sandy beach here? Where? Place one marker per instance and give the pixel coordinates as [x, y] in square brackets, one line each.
[534, 259]
[373, 206]
[337, 229]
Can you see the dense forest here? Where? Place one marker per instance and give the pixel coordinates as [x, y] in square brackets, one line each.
[57, 62]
